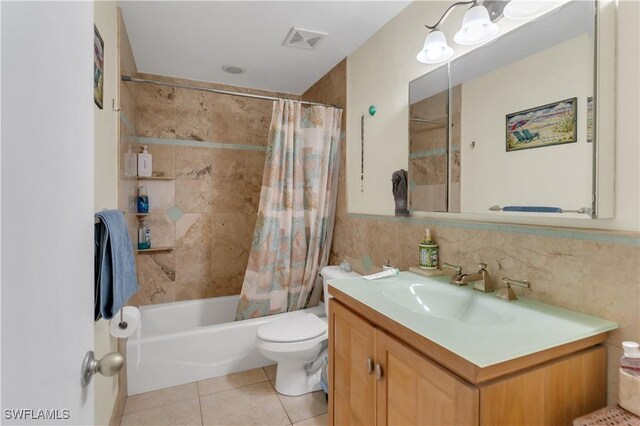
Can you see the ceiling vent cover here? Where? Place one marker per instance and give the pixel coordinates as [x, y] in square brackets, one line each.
[305, 39]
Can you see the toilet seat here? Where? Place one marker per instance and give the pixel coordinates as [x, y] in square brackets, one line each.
[298, 328]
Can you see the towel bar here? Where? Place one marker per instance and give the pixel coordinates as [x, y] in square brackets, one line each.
[538, 209]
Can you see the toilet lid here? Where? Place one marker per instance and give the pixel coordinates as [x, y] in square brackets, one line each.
[294, 328]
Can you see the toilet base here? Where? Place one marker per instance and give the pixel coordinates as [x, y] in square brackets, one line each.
[292, 379]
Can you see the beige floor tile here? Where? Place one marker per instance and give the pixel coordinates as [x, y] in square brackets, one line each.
[322, 420]
[160, 397]
[179, 413]
[250, 405]
[304, 406]
[270, 370]
[231, 381]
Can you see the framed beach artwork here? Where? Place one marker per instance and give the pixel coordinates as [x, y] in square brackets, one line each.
[98, 68]
[546, 125]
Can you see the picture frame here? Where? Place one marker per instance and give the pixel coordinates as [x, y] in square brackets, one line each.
[98, 68]
[546, 125]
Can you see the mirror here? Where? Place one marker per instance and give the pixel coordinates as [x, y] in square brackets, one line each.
[508, 128]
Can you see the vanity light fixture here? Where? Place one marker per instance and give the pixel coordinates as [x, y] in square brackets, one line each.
[526, 9]
[477, 27]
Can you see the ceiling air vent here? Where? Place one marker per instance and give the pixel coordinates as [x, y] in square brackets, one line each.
[305, 39]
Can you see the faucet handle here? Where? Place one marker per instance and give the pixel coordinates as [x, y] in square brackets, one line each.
[507, 292]
[456, 275]
[456, 268]
[520, 283]
[482, 266]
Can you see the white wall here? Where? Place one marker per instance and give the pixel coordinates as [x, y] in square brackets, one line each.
[106, 185]
[558, 176]
[379, 73]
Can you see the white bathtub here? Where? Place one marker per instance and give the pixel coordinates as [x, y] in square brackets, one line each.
[183, 342]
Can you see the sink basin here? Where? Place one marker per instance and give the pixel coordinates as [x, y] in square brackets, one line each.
[446, 303]
[477, 326]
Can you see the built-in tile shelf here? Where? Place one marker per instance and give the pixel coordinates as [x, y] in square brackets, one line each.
[142, 214]
[156, 249]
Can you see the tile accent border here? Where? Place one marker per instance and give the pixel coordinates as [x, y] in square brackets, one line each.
[191, 143]
[603, 236]
[199, 144]
[127, 123]
[433, 152]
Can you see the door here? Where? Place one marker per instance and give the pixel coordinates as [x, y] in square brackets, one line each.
[413, 390]
[46, 173]
[352, 385]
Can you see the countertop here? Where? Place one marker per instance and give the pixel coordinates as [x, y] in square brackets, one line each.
[489, 330]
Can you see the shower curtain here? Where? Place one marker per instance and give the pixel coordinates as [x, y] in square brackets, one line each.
[292, 236]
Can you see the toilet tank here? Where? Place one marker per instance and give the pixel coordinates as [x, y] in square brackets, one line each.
[333, 273]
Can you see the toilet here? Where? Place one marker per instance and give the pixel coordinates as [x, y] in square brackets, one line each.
[296, 341]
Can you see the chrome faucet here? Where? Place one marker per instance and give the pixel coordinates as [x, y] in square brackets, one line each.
[481, 280]
[455, 278]
[507, 292]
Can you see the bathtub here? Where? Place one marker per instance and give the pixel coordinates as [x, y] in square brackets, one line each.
[183, 342]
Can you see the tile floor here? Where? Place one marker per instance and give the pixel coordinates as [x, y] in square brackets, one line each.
[245, 398]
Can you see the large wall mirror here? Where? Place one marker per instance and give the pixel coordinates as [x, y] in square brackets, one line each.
[509, 128]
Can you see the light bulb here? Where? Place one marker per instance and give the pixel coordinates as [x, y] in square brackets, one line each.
[435, 49]
[476, 27]
[475, 32]
[434, 53]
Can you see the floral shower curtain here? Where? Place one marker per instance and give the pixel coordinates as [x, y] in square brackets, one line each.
[292, 236]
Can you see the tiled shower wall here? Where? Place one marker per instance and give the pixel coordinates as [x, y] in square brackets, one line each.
[210, 149]
[587, 271]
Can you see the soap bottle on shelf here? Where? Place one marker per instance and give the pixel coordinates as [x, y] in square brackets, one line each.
[144, 163]
[130, 163]
[428, 252]
[143, 200]
[144, 236]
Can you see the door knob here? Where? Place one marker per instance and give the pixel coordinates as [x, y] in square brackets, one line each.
[109, 365]
[378, 372]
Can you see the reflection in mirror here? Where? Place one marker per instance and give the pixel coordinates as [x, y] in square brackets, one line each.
[428, 142]
[474, 123]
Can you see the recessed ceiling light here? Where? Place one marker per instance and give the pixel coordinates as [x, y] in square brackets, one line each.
[234, 69]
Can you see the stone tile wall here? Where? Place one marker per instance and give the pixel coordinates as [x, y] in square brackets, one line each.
[214, 146]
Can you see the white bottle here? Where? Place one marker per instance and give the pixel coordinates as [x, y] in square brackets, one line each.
[630, 361]
[144, 163]
[629, 379]
[130, 163]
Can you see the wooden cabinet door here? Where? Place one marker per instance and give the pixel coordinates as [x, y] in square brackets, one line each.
[413, 390]
[553, 394]
[352, 386]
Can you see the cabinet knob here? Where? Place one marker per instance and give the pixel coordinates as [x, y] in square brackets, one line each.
[369, 365]
[378, 373]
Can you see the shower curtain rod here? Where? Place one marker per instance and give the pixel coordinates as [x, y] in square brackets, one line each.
[221, 92]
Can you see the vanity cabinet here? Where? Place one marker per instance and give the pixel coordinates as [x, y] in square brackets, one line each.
[378, 378]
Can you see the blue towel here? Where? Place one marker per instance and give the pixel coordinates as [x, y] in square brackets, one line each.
[532, 209]
[116, 279]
